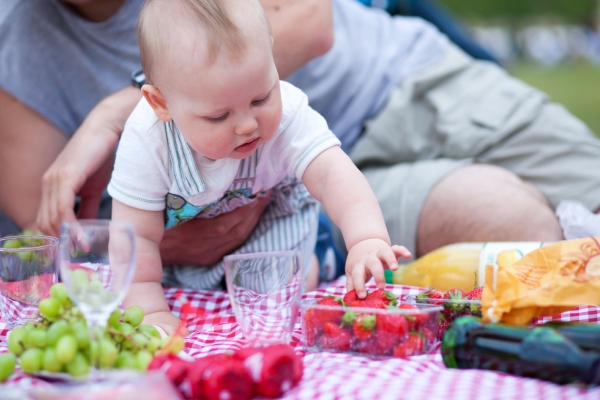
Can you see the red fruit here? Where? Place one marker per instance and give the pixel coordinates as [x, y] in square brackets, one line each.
[444, 324]
[391, 329]
[455, 297]
[320, 317]
[219, 376]
[351, 299]
[430, 296]
[474, 294]
[411, 346]
[311, 330]
[174, 367]
[335, 338]
[381, 299]
[407, 306]
[363, 326]
[368, 347]
[274, 369]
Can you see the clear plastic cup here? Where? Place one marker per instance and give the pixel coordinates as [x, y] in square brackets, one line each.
[265, 291]
[27, 271]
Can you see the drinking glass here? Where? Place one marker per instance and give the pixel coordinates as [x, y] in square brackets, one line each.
[265, 290]
[27, 271]
[97, 264]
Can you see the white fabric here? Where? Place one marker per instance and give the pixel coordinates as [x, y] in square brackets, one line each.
[142, 176]
[576, 220]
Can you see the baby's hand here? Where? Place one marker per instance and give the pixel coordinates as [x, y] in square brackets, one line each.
[167, 321]
[368, 259]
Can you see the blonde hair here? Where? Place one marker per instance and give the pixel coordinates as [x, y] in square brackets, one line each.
[212, 16]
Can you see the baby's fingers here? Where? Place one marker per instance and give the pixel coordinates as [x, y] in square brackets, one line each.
[358, 280]
[401, 251]
[388, 257]
[376, 269]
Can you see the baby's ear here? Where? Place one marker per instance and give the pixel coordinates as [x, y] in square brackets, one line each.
[157, 101]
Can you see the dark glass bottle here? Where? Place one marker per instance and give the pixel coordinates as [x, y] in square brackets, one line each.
[560, 353]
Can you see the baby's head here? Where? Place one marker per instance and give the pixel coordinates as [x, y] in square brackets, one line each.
[210, 68]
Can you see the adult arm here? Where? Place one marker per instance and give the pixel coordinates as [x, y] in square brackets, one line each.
[29, 146]
[302, 30]
[83, 168]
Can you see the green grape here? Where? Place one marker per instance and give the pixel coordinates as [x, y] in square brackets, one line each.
[108, 354]
[66, 348]
[79, 365]
[82, 334]
[92, 352]
[79, 279]
[26, 256]
[11, 244]
[153, 344]
[134, 315]
[50, 307]
[115, 319]
[31, 360]
[59, 292]
[50, 362]
[95, 286]
[57, 330]
[29, 326]
[7, 365]
[126, 359]
[140, 340]
[126, 329]
[149, 330]
[37, 338]
[15, 340]
[143, 358]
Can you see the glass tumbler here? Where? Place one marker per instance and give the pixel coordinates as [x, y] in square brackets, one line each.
[265, 290]
[27, 271]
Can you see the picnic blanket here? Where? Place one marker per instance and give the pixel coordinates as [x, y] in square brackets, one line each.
[339, 376]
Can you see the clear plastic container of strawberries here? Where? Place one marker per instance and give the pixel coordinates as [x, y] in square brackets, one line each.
[455, 302]
[377, 326]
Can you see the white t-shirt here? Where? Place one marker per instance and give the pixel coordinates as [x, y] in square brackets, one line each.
[150, 163]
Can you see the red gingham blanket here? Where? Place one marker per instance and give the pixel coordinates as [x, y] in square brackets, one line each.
[338, 376]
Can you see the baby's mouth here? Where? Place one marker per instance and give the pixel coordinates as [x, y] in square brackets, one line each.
[248, 145]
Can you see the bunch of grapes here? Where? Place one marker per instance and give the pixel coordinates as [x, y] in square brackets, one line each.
[60, 340]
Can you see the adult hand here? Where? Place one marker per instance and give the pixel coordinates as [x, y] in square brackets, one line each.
[83, 168]
[203, 241]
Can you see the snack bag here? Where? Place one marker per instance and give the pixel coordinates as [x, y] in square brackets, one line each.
[547, 281]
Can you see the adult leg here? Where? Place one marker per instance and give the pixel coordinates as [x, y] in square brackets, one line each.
[484, 203]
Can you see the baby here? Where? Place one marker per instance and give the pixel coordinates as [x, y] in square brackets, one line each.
[215, 130]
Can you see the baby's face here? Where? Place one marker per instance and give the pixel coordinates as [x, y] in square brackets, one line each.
[230, 107]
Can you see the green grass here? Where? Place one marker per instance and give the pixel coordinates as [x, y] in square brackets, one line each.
[575, 85]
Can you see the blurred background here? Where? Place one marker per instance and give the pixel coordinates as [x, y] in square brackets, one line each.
[553, 45]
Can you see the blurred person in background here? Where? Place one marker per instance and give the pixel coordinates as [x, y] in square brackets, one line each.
[450, 145]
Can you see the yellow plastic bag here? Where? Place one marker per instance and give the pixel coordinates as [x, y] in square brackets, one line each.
[547, 281]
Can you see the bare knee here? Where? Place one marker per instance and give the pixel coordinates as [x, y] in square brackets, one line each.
[481, 203]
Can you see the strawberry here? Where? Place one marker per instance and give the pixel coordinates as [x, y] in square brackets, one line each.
[363, 326]
[430, 296]
[474, 294]
[351, 299]
[368, 347]
[391, 328]
[381, 299]
[454, 297]
[411, 346]
[475, 309]
[444, 324]
[408, 306]
[310, 330]
[172, 366]
[274, 369]
[335, 338]
[320, 317]
[219, 376]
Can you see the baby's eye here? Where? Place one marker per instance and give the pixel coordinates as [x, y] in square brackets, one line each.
[219, 118]
[261, 101]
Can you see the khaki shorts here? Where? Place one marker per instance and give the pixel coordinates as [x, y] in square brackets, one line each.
[463, 111]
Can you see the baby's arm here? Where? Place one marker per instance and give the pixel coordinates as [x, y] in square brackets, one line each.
[146, 289]
[335, 181]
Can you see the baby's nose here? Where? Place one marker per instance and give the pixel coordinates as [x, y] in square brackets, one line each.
[246, 126]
